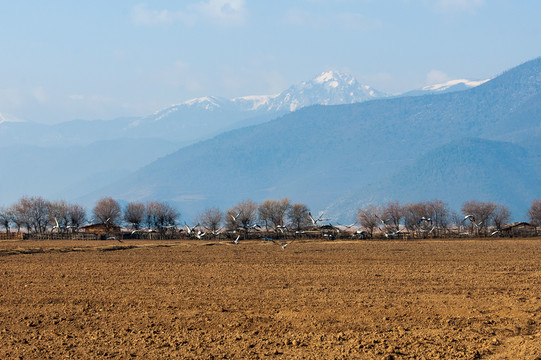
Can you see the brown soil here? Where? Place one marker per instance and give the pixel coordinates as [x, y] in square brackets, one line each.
[467, 299]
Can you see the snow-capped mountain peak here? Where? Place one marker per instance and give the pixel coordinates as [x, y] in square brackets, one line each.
[328, 88]
[334, 79]
[253, 102]
[206, 102]
[325, 77]
[454, 83]
[446, 87]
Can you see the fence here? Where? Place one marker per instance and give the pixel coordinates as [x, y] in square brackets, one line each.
[64, 236]
[306, 235]
[12, 236]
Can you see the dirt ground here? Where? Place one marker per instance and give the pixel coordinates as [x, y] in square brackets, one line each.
[452, 299]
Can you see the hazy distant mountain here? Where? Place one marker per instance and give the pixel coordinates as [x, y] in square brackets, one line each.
[208, 116]
[320, 153]
[467, 169]
[60, 173]
[72, 156]
[195, 119]
[449, 86]
[329, 88]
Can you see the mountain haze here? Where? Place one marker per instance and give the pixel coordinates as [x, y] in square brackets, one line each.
[195, 119]
[83, 154]
[467, 169]
[449, 86]
[321, 153]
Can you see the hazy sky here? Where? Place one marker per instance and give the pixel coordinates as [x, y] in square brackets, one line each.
[63, 59]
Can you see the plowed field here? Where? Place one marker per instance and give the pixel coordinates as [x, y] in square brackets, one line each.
[456, 299]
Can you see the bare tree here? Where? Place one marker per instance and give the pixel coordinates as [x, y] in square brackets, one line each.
[264, 212]
[21, 214]
[393, 214]
[135, 214]
[107, 211]
[439, 214]
[417, 217]
[481, 214]
[6, 218]
[280, 211]
[500, 216]
[211, 219]
[242, 215]
[369, 218]
[430, 217]
[273, 212]
[76, 215]
[534, 213]
[18, 217]
[65, 217]
[59, 215]
[298, 216]
[33, 213]
[161, 215]
[40, 214]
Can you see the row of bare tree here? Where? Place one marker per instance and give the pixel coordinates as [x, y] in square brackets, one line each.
[270, 214]
[435, 217]
[39, 215]
[35, 214]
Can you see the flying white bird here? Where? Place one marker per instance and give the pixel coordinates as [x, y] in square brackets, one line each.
[189, 229]
[382, 221]
[236, 216]
[286, 244]
[282, 245]
[393, 234]
[315, 221]
[472, 220]
[143, 231]
[348, 226]
[57, 226]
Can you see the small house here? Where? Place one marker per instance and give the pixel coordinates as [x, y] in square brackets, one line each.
[519, 229]
[100, 229]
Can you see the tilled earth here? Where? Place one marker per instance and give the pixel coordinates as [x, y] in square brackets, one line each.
[451, 299]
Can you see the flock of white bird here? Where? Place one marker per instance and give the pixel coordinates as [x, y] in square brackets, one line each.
[198, 234]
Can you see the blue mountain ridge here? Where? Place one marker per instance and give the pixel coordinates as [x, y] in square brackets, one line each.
[319, 154]
[463, 170]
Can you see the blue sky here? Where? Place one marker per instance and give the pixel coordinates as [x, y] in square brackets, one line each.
[64, 60]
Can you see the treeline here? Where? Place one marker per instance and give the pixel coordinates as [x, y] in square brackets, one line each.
[38, 215]
[434, 218]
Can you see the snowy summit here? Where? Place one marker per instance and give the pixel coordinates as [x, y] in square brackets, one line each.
[329, 88]
[454, 84]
